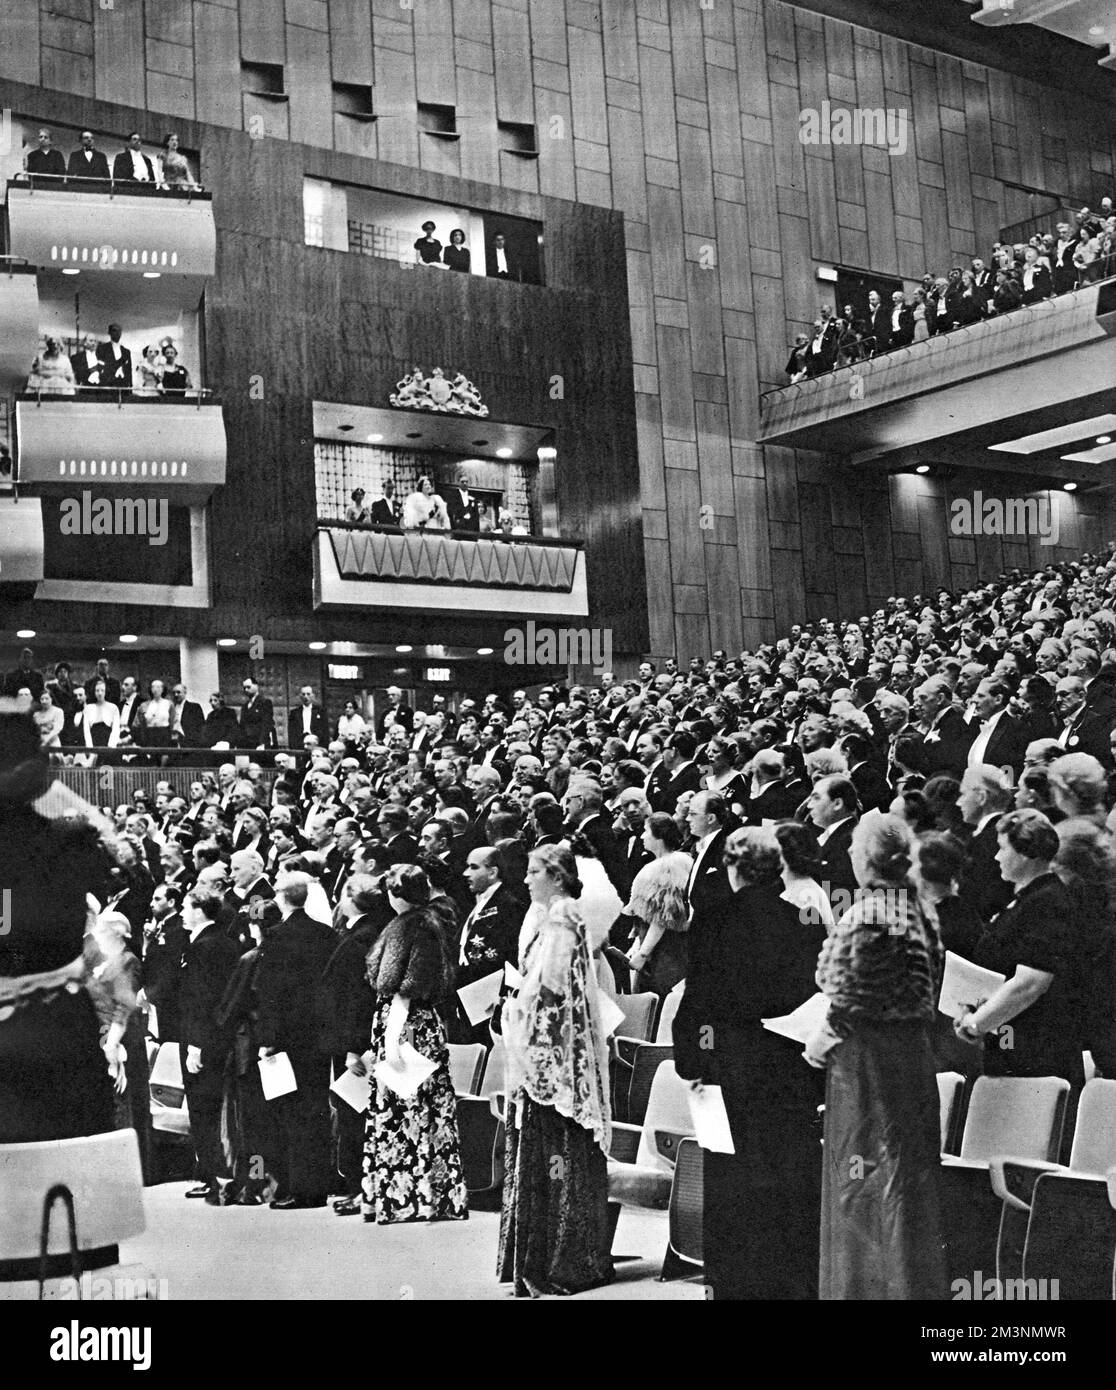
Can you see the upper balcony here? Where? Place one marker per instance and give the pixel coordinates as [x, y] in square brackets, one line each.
[491, 574]
[966, 386]
[105, 227]
[172, 446]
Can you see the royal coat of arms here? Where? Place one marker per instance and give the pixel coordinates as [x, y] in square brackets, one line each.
[437, 392]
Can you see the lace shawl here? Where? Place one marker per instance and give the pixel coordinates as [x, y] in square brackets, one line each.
[552, 1029]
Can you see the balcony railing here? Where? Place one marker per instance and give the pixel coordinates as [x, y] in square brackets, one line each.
[856, 407]
[358, 564]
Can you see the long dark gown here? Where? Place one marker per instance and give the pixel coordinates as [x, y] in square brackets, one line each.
[756, 960]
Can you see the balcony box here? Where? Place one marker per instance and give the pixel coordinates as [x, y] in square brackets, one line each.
[171, 234]
[1043, 356]
[128, 446]
[21, 541]
[19, 325]
[435, 571]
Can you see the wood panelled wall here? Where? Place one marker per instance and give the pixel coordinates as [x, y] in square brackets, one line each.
[683, 117]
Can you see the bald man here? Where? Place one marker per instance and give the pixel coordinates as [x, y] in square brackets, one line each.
[490, 934]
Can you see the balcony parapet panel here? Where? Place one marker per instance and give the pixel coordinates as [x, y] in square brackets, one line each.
[106, 231]
[1041, 355]
[448, 572]
[173, 448]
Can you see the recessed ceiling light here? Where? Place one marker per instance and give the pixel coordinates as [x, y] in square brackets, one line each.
[480, 443]
[226, 641]
[70, 270]
[26, 632]
[373, 438]
[128, 637]
[1104, 439]
[484, 651]
[152, 274]
[317, 646]
[923, 468]
[415, 434]
[503, 453]
[404, 649]
[1104, 453]
[1070, 487]
[1056, 438]
[1096, 30]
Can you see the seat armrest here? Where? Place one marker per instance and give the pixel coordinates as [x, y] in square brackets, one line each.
[667, 1141]
[1013, 1179]
[625, 1142]
[951, 1162]
[497, 1103]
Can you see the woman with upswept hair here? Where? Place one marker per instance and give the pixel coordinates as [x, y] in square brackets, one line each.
[554, 1227]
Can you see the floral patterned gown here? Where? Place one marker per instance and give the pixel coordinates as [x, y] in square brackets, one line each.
[412, 1158]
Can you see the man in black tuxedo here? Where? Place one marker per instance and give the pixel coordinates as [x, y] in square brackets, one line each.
[490, 933]
[583, 807]
[708, 883]
[985, 796]
[45, 159]
[945, 743]
[346, 1008]
[208, 962]
[872, 789]
[117, 360]
[112, 685]
[172, 861]
[984, 283]
[257, 719]
[436, 858]
[879, 330]
[900, 321]
[1001, 740]
[1082, 730]
[1065, 272]
[165, 939]
[294, 957]
[833, 807]
[464, 512]
[685, 775]
[306, 717]
[87, 162]
[1084, 663]
[400, 712]
[649, 752]
[1035, 278]
[25, 676]
[632, 813]
[131, 165]
[386, 511]
[187, 724]
[484, 784]
[394, 828]
[496, 258]
[86, 363]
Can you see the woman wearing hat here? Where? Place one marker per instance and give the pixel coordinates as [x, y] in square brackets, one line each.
[428, 249]
[54, 1079]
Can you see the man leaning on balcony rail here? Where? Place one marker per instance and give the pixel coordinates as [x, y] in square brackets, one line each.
[1074, 255]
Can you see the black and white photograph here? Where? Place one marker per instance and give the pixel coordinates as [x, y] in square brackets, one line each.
[558, 673]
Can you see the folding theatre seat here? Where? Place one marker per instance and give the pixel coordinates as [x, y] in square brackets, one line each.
[92, 1187]
[481, 1131]
[635, 1062]
[641, 1164]
[951, 1092]
[1019, 1117]
[466, 1062]
[1057, 1224]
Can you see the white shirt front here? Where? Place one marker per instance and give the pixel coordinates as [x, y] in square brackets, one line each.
[979, 745]
[828, 831]
[139, 166]
[501, 260]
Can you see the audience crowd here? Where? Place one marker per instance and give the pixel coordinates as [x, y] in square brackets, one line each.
[88, 165]
[854, 798]
[96, 366]
[1076, 253]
